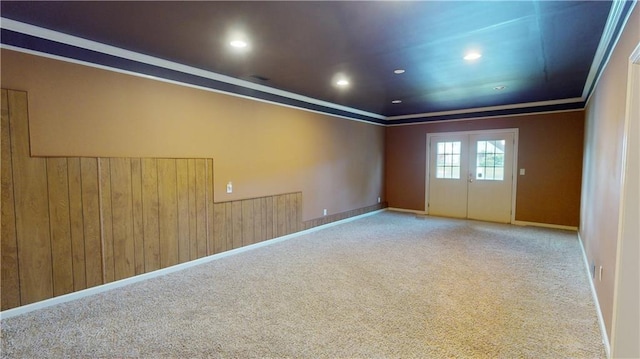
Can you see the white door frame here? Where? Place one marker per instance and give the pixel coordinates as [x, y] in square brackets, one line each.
[514, 169]
[625, 328]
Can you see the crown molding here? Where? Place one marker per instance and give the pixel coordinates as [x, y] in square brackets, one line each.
[78, 42]
[52, 44]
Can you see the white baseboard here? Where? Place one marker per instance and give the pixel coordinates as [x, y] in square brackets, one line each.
[178, 267]
[545, 225]
[594, 294]
[517, 223]
[406, 210]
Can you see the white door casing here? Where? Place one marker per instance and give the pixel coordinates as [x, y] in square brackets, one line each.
[487, 199]
[469, 192]
[448, 195]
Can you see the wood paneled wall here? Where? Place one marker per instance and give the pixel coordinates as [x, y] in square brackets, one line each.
[249, 221]
[71, 223]
[74, 223]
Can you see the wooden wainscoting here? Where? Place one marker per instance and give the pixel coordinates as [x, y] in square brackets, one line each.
[74, 223]
[71, 223]
[244, 222]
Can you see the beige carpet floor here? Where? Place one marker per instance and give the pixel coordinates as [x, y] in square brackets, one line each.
[390, 285]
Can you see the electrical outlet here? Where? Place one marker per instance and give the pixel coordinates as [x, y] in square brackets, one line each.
[229, 187]
[600, 273]
[378, 199]
[324, 212]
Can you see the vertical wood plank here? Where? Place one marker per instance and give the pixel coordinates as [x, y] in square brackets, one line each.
[137, 213]
[298, 204]
[201, 213]
[281, 213]
[10, 280]
[228, 207]
[220, 228]
[269, 224]
[31, 207]
[76, 224]
[236, 223]
[258, 220]
[247, 222]
[122, 218]
[182, 185]
[291, 213]
[61, 250]
[91, 221]
[168, 212]
[150, 208]
[106, 219]
[274, 215]
[193, 210]
[209, 206]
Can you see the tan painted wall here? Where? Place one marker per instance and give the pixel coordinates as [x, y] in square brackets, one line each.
[264, 149]
[604, 131]
[550, 150]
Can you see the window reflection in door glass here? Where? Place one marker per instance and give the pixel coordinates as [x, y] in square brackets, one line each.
[490, 160]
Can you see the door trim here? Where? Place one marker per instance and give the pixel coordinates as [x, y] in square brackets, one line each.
[514, 186]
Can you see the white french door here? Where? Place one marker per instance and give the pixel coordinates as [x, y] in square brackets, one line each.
[471, 175]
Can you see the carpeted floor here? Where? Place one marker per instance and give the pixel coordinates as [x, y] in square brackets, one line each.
[390, 285]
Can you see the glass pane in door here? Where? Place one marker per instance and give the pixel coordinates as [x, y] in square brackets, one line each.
[448, 160]
[490, 160]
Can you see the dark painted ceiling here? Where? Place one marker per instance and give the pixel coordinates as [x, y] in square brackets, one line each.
[538, 50]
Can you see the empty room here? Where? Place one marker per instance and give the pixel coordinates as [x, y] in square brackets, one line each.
[320, 179]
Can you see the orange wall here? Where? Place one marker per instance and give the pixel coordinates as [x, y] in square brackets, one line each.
[264, 149]
[604, 135]
[550, 150]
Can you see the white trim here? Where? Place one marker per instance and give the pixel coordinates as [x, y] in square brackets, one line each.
[130, 55]
[127, 54]
[626, 235]
[490, 108]
[545, 225]
[516, 173]
[514, 131]
[615, 43]
[481, 118]
[182, 266]
[609, 29]
[178, 83]
[394, 209]
[612, 20]
[146, 59]
[634, 58]
[594, 295]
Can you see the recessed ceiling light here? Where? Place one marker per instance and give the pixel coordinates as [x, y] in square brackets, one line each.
[396, 101]
[342, 82]
[238, 44]
[398, 71]
[472, 56]
[500, 88]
